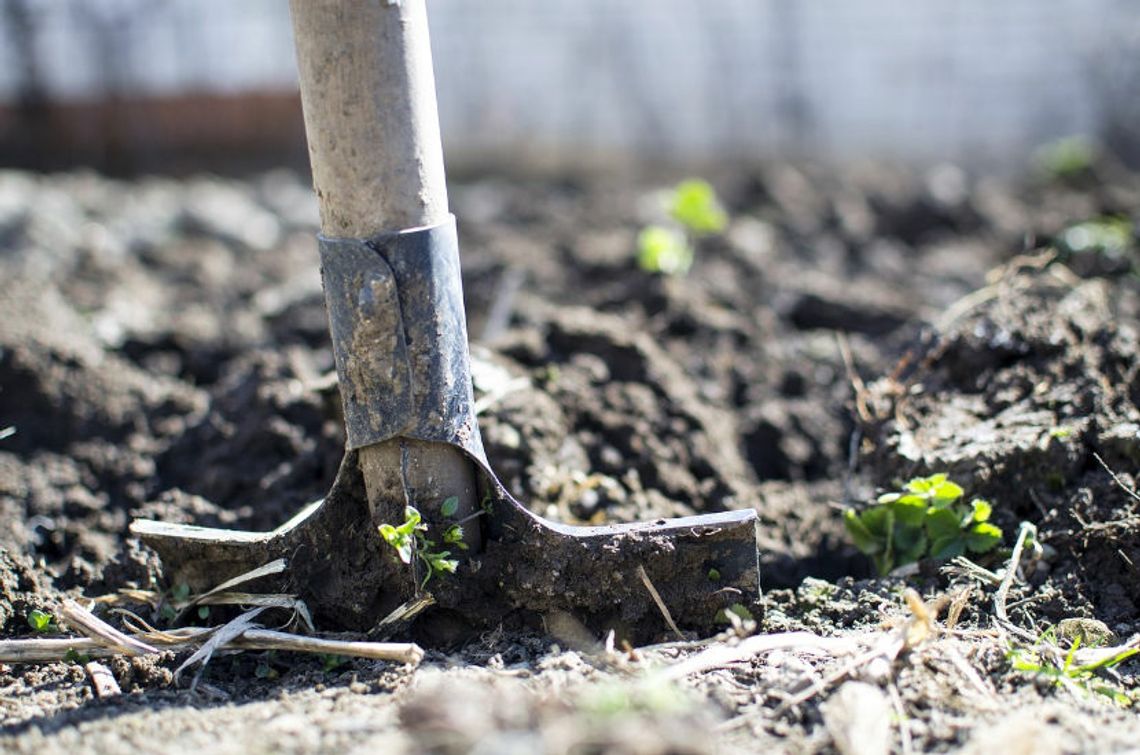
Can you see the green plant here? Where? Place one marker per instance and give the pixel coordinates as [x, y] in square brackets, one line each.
[694, 205]
[409, 539]
[174, 600]
[664, 250]
[1109, 236]
[693, 210]
[41, 622]
[331, 662]
[74, 656]
[926, 518]
[1066, 157]
[1065, 671]
[265, 666]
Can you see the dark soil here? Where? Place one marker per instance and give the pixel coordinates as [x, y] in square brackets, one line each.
[164, 354]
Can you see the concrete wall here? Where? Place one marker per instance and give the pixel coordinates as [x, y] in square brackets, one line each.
[982, 81]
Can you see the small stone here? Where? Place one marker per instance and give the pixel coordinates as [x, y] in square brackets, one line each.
[1090, 632]
[858, 717]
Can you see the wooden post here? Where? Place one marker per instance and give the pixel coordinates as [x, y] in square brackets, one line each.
[368, 94]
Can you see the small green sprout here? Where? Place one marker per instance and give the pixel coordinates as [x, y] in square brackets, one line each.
[331, 662]
[265, 669]
[449, 506]
[926, 518]
[74, 656]
[203, 612]
[403, 537]
[694, 205]
[1060, 433]
[408, 539]
[453, 535]
[1108, 235]
[41, 622]
[736, 609]
[1079, 678]
[664, 250]
[693, 211]
[714, 574]
[1067, 157]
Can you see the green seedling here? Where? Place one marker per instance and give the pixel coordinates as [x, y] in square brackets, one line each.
[1067, 157]
[41, 622]
[174, 601]
[737, 610]
[265, 669]
[664, 250]
[925, 519]
[331, 662]
[74, 656]
[1109, 236]
[694, 210]
[409, 540]
[1079, 678]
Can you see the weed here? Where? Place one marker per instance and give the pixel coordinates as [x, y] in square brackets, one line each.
[1066, 672]
[664, 250]
[74, 656]
[1066, 158]
[409, 539]
[693, 210]
[331, 662]
[736, 609]
[41, 622]
[265, 669]
[174, 600]
[1109, 236]
[926, 518]
[695, 206]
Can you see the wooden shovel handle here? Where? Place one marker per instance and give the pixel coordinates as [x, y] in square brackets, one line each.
[368, 94]
[368, 91]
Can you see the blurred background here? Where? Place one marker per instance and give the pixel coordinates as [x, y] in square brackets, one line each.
[128, 86]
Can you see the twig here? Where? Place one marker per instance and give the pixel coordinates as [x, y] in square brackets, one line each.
[267, 639]
[660, 603]
[957, 605]
[101, 632]
[724, 655]
[221, 636]
[1115, 478]
[57, 649]
[1002, 594]
[889, 648]
[102, 680]
[857, 384]
[273, 567]
[905, 743]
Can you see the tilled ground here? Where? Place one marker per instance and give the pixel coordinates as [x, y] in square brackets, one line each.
[164, 354]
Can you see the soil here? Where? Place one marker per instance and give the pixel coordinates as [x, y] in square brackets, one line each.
[164, 354]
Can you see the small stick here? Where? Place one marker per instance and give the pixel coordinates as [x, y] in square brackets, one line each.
[56, 649]
[1115, 478]
[905, 743]
[719, 656]
[102, 680]
[267, 639]
[100, 631]
[1002, 594]
[660, 603]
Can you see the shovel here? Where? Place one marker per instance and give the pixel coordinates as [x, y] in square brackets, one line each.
[416, 509]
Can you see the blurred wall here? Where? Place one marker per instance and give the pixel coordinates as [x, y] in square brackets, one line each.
[564, 81]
